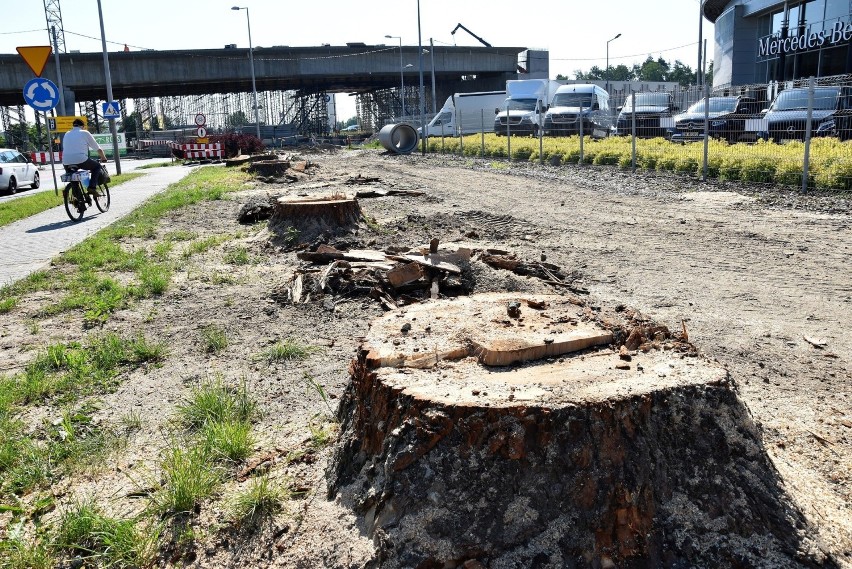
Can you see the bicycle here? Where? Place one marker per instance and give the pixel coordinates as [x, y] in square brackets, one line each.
[76, 196]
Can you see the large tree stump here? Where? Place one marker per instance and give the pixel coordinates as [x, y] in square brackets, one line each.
[592, 458]
[310, 217]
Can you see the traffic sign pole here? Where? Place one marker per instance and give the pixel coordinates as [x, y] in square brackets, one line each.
[52, 162]
[112, 128]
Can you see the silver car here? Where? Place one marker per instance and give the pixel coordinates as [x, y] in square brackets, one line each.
[17, 170]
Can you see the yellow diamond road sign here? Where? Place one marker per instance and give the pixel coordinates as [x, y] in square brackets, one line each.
[35, 56]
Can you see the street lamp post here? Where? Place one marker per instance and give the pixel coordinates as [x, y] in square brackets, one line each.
[251, 63]
[401, 80]
[112, 128]
[607, 61]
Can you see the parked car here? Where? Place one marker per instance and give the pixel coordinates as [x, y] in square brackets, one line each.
[352, 128]
[17, 170]
[651, 108]
[727, 120]
[574, 105]
[787, 118]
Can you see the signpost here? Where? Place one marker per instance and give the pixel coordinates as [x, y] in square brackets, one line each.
[64, 124]
[111, 110]
[41, 94]
[201, 131]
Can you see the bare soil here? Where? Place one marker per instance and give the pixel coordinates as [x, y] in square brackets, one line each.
[758, 276]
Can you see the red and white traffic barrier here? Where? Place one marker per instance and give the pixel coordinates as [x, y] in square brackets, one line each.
[203, 154]
[208, 150]
[44, 157]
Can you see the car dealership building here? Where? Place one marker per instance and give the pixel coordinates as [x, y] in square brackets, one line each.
[757, 41]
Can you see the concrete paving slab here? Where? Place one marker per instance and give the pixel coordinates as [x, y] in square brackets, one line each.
[29, 244]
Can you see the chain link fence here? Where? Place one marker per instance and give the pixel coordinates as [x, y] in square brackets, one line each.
[794, 133]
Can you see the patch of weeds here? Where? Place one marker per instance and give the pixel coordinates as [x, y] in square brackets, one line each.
[85, 532]
[33, 326]
[263, 498]
[145, 351]
[230, 441]
[220, 278]
[239, 256]
[500, 165]
[287, 350]
[7, 304]
[131, 421]
[374, 226]
[322, 435]
[15, 553]
[162, 250]
[154, 279]
[214, 339]
[213, 401]
[181, 235]
[188, 478]
[203, 245]
[290, 237]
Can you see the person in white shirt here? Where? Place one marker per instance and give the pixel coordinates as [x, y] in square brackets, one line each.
[75, 151]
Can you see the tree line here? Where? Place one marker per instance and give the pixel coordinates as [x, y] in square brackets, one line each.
[656, 70]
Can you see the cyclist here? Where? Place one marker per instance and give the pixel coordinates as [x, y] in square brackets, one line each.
[75, 152]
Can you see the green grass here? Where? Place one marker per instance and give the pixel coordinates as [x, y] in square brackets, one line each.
[203, 245]
[22, 208]
[262, 498]
[227, 441]
[239, 256]
[287, 350]
[15, 553]
[214, 339]
[189, 476]
[214, 402]
[86, 533]
[86, 284]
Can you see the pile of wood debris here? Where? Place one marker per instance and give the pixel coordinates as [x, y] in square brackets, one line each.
[398, 277]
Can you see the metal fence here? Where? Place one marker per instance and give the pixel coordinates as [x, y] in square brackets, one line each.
[793, 133]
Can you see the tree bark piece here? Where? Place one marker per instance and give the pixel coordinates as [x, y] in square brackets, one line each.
[560, 463]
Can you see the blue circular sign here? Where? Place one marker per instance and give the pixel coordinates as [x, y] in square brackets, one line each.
[41, 94]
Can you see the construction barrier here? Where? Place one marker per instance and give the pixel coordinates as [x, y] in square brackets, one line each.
[199, 151]
[44, 157]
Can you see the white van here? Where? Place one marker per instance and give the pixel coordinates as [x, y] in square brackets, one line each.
[576, 106]
[466, 113]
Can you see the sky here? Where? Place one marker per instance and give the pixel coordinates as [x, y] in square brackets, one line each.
[575, 33]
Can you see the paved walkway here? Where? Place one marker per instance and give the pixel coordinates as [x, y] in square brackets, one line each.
[29, 244]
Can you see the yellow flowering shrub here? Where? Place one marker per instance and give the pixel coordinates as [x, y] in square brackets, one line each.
[763, 162]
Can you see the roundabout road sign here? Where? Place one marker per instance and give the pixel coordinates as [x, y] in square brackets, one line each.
[41, 94]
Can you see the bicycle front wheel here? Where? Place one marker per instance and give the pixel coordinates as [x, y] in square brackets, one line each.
[73, 206]
[102, 199]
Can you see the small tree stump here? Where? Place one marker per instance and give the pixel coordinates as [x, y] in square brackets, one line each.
[313, 216]
[582, 461]
[269, 168]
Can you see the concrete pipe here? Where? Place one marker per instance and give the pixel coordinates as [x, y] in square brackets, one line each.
[399, 138]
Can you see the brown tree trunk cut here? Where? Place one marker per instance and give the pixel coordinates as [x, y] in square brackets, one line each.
[584, 459]
[311, 216]
[269, 168]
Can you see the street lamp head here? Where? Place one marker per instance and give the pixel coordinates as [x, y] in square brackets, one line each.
[235, 8]
[389, 37]
[616, 37]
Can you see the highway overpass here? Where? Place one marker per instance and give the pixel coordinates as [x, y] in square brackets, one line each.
[351, 68]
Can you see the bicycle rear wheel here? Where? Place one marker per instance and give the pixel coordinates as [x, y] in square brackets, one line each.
[74, 207]
[101, 196]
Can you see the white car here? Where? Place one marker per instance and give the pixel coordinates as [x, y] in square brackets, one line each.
[16, 170]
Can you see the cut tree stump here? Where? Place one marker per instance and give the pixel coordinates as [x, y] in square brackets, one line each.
[313, 216]
[584, 459]
[269, 168]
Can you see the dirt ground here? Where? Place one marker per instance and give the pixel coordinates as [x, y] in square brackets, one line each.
[759, 277]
